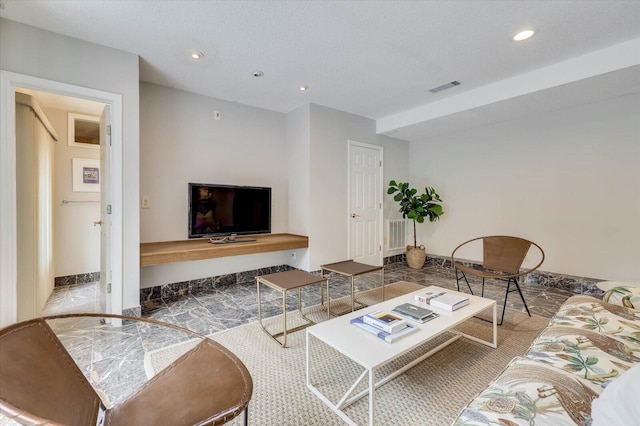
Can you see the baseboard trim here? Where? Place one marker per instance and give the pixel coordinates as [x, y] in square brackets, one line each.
[183, 288]
[88, 277]
[570, 283]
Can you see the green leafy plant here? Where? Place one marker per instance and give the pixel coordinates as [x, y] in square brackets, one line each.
[416, 206]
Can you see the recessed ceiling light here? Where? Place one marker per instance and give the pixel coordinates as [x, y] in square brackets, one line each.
[523, 35]
[196, 55]
[303, 88]
[258, 73]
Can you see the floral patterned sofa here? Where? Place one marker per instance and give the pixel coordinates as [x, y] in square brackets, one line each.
[587, 345]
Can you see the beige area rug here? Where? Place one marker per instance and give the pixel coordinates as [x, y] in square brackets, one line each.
[431, 393]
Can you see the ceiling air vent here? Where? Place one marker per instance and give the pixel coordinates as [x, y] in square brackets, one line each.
[445, 86]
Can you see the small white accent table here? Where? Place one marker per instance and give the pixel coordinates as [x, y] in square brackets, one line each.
[371, 352]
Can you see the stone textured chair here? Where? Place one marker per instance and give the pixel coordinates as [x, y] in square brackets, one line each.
[41, 384]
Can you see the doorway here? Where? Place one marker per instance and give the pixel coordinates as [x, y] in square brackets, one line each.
[365, 203]
[9, 82]
[75, 208]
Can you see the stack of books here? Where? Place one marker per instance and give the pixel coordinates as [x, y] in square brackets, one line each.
[384, 325]
[443, 300]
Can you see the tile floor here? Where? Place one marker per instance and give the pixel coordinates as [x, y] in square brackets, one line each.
[236, 304]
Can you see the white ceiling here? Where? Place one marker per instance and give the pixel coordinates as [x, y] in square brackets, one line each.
[377, 59]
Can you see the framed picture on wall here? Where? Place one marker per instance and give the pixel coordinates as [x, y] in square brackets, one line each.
[84, 131]
[86, 175]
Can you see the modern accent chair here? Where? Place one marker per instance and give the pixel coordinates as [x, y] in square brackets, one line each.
[41, 384]
[502, 258]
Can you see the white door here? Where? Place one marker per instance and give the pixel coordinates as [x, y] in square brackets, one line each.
[365, 203]
[105, 211]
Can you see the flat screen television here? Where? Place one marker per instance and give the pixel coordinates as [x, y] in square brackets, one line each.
[226, 209]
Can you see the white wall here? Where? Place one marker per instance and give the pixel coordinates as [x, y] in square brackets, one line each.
[302, 156]
[182, 143]
[76, 241]
[568, 180]
[396, 167]
[298, 163]
[330, 132]
[43, 54]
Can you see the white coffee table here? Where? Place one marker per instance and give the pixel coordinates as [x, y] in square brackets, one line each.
[371, 352]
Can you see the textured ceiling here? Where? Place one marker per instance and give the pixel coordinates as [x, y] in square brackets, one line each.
[377, 59]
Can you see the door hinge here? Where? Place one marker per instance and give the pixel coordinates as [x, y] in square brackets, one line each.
[109, 288]
[380, 163]
[108, 208]
[108, 129]
[380, 248]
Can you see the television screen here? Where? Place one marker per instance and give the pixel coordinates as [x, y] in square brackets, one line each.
[225, 209]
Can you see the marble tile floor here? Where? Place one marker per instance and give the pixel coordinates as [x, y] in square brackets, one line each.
[234, 305]
[112, 357]
[73, 298]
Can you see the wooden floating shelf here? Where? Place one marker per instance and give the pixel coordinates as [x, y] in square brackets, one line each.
[198, 249]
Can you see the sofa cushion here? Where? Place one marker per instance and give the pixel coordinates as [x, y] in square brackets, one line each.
[589, 313]
[588, 345]
[529, 392]
[595, 357]
[591, 339]
[626, 296]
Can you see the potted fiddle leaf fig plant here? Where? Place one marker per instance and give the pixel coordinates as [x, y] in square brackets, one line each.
[416, 207]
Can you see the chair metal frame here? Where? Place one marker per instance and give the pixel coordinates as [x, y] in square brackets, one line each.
[508, 276]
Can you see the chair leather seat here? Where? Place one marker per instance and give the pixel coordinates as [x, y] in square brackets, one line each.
[206, 386]
[35, 370]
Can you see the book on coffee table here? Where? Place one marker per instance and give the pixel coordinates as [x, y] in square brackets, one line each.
[449, 302]
[387, 337]
[385, 321]
[415, 313]
[426, 296]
